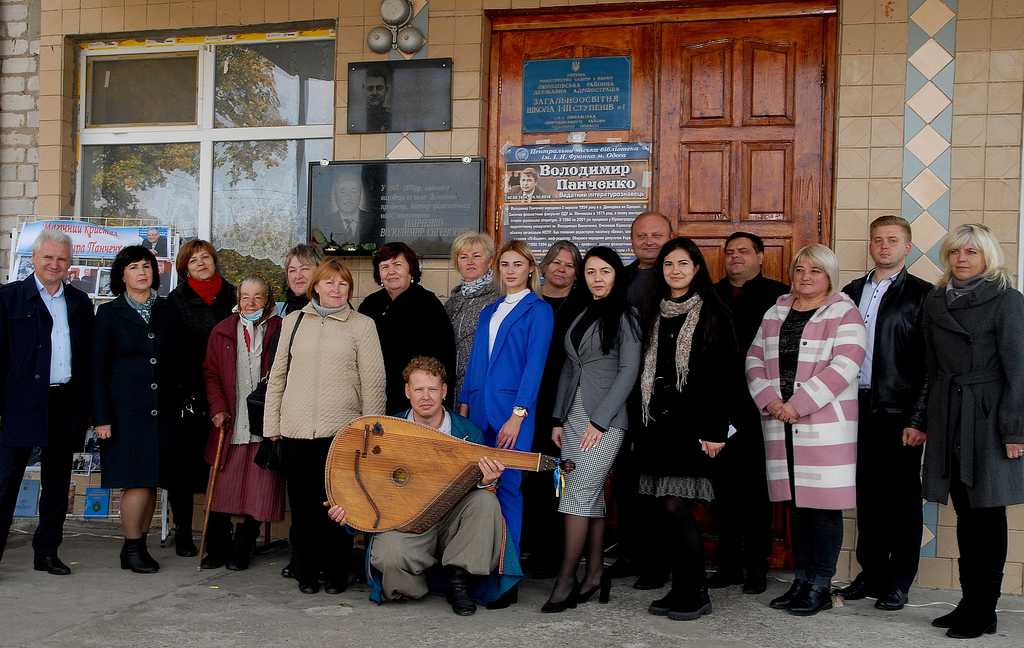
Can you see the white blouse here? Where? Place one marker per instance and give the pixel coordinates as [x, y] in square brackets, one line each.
[504, 308]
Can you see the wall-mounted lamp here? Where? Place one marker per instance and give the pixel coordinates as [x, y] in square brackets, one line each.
[396, 32]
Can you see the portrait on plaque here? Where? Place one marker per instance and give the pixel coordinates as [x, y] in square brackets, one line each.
[425, 203]
[400, 96]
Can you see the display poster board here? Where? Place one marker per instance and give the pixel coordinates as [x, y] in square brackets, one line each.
[94, 248]
[586, 193]
[424, 203]
[579, 94]
[400, 96]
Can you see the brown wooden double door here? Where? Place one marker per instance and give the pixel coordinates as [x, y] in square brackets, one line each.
[735, 109]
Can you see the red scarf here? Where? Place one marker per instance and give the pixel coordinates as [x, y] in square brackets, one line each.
[207, 290]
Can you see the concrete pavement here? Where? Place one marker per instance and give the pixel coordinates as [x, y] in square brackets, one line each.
[100, 605]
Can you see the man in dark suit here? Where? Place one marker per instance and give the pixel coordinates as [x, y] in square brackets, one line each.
[45, 398]
[741, 508]
[891, 428]
[156, 242]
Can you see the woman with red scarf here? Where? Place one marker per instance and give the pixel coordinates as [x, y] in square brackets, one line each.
[202, 299]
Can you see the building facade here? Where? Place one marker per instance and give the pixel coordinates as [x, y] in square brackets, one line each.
[921, 116]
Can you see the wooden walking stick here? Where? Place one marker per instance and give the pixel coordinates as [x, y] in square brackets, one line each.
[210, 485]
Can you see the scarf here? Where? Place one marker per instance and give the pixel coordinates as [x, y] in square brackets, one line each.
[208, 289]
[956, 289]
[690, 308]
[477, 286]
[293, 302]
[324, 311]
[145, 309]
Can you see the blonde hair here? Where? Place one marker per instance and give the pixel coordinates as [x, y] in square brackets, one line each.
[468, 240]
[523, 250]
[822, 257]
[982, 237]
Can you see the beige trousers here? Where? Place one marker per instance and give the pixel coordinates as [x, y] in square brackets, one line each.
[470, 536]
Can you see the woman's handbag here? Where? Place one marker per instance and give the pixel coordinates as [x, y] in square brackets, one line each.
[269, 454]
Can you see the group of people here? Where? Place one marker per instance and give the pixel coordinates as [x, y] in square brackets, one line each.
[685, 391]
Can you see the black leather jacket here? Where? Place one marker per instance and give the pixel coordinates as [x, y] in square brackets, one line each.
[899, 383]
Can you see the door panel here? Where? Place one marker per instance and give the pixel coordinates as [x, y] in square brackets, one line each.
[746, 150]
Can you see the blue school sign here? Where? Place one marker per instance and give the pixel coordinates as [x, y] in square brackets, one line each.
[580, 94]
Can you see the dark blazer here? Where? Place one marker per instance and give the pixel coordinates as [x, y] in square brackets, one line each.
[510, 376]
[899, 384]
[975, 360]
[25, 327]
[197, 319]
[136, 391]
[606, 381]
[414, 324]
[748, 309]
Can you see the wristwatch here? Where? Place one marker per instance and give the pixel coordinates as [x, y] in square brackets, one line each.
[519, 411]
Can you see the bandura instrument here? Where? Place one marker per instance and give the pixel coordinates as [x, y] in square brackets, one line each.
[392, 474]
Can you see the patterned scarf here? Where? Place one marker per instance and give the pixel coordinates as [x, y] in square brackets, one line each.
[145, 309]
[690, 308]
[477, 286]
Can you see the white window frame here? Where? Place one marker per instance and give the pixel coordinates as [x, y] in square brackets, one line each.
[203, 132]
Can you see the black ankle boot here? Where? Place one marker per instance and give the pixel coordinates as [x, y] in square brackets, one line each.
[458, 593]
[183, 544]
[783, 602]
[972, 623]
[244, 545]
[131, 557]
[144, 550]
[811, 600]
[696, 604]
[664, 605]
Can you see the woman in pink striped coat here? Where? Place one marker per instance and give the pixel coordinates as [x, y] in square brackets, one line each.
[802, 373]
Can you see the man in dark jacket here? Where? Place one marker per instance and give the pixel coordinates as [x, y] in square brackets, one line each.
[741, 508]
[45, 344]
[891, 431]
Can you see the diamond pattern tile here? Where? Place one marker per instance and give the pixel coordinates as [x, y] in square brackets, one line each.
[927, 145]
[929, 101]
[405, 150]
[930, 59]
[932, 16]
[926, 188]
[926, 269]
[927, 231]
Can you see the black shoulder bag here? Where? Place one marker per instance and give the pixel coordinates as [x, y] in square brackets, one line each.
[269, 454]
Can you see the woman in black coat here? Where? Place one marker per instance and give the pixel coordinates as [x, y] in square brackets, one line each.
[202, 299]
[411, 321]
[689, 363]
[974, 335]
[136, 395]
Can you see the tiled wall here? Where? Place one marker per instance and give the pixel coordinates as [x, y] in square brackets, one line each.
[901, 63]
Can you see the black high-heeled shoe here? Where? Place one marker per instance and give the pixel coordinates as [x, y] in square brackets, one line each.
[604, 587]
[569, 602]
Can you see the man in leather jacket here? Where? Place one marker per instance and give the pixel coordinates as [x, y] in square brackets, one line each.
[893, 391]
[742, 511]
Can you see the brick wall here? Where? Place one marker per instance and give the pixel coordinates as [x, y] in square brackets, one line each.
[19, 115]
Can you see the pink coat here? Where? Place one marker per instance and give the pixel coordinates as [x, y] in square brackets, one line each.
[825, 397]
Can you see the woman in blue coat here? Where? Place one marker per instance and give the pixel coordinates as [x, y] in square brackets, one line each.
[510, 349]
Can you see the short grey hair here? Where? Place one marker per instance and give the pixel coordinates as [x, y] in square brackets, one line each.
[52, 236]
[822, 257]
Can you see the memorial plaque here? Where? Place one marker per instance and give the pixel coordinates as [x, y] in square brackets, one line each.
[400, 96]
[586, 193]
[580, 94]
[425, 203]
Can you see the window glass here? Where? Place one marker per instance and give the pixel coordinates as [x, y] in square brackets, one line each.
[259, 202]
[276, 84]
[129, 184]
[142, 90]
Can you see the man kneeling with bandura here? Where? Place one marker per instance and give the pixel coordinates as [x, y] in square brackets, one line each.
[469, 541]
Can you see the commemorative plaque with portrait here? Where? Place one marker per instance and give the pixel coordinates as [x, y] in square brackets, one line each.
[425, 203]
[400, 96]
